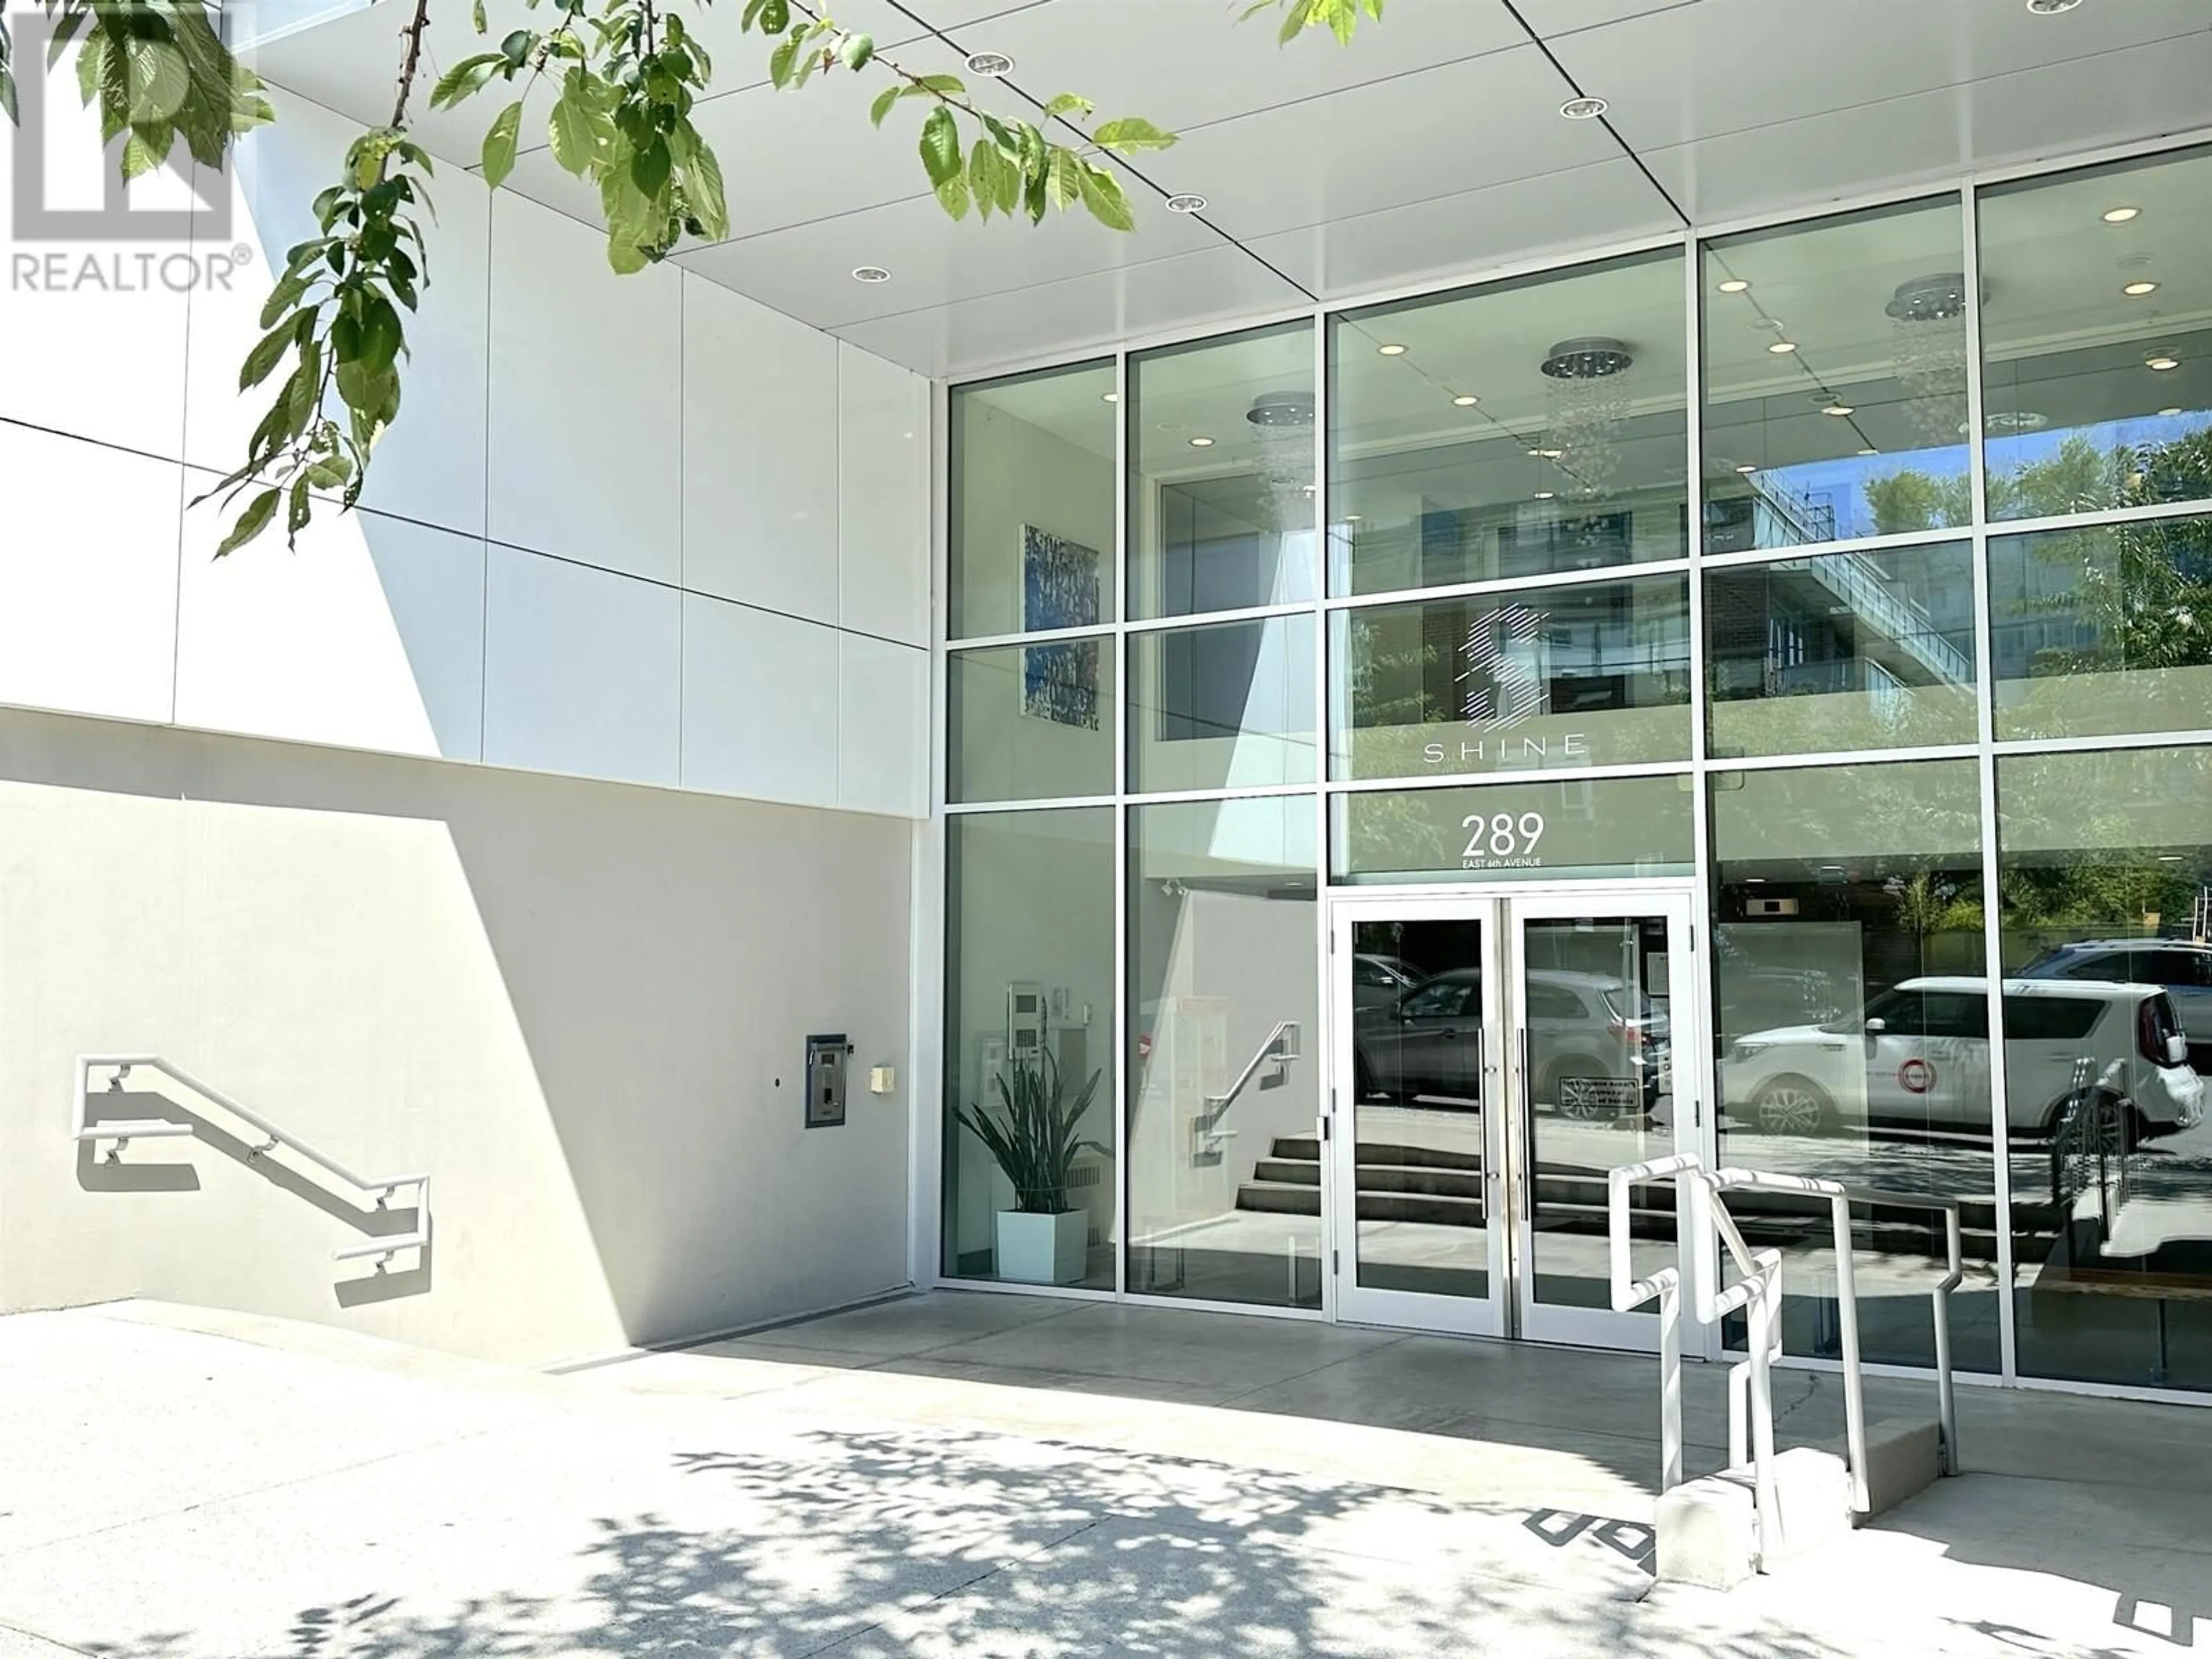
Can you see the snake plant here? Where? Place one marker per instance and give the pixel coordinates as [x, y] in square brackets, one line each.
[1031, 1131]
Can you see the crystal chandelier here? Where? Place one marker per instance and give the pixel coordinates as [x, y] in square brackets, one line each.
[1586, 407]
[1282, 425]
[1928, 344]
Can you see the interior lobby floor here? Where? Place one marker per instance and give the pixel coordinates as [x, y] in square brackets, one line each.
[974, 1474]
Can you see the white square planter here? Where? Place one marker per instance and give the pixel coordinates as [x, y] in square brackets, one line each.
[1044, 1249]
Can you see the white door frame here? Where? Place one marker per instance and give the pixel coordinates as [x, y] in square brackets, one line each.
[1508, 1308]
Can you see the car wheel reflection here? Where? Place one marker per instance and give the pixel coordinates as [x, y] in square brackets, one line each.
[1791, 1106]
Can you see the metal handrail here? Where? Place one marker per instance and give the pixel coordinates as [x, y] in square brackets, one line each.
[1630, 1292]
[123, 1131]
[1282, 1045]
[1946, 1407]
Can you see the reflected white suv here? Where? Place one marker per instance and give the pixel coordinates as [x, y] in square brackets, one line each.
[1921, 1057]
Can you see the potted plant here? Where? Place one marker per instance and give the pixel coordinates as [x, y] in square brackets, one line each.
[1031, 1130]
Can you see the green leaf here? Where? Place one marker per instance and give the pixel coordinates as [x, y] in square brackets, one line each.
[650, 168]
[940, 148]
[516, 47]
[626, 258]
[1069, 103]
[884, 104]
[464, 78]
[703, 177]
[855, 50]
[381, 334]
[1103, 195]
[937, 86]
[780, 61]
[499, 143]
[1064, 177]
[146, 149]
[269, 351]
[953, 196]
[158, 80]
[298, 511]
[250, 523]
[775, 16]
[985, 164]
[570, 128]
[1131, 133]
[476, 16]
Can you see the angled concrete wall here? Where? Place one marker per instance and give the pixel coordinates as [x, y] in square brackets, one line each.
[581, 1006]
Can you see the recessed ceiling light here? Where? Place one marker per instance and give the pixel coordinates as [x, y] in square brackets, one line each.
[1352, 518]
[2162, 363]
[871, 274]
[1544, 494]
[2120, 216]
[2052, 8]
[1465, 400]
[1583, 109]
[1189, 201]
[1111, 397]
[2168, 414]
[1310, 488]
[992, 64]
[1869, 451]
[2136, 290]
[1201, 443]
[1839, 410]
[1391, 350]
[1735, 285]
[1783, 348]
[1546, 454]
[1747, 469]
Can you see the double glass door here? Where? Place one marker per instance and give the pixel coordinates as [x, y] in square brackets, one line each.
[1494, 1058]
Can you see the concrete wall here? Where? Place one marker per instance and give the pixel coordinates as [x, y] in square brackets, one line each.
[581, 1006]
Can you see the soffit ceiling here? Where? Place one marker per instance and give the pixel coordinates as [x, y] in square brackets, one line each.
[1430, 147]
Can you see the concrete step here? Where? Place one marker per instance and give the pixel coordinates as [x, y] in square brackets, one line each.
[1376, 1177]
[1285, 1198]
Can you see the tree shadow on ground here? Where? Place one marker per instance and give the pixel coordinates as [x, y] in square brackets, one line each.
[929, 1543]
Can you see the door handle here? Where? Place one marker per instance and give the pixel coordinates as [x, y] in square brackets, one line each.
[1528, 1129]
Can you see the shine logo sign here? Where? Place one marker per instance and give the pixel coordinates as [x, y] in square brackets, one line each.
[1503, 686]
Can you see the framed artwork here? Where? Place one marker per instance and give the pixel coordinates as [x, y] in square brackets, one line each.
[1059, 589]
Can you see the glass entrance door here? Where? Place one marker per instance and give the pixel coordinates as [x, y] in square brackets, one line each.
[1494, 1058]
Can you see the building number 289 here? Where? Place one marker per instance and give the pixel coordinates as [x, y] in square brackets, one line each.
[1502, 837]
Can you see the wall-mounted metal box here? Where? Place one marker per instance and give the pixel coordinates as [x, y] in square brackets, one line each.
[825, 1080]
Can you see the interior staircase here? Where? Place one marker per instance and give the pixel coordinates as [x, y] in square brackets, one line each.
[1445, 1188]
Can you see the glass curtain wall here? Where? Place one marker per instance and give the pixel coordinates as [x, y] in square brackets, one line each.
[1906, 659]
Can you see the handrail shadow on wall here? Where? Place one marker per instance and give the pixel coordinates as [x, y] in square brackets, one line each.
[152, 1117]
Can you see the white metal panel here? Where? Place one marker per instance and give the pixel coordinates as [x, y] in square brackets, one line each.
[585, 436]
[760, 703]
[806, 271]
[883, 497]
[883, 727]
[371, 636]
[1457, 127]
[1183, 66]
[1724, 66]
[1598, 205]
[87, 576]
[1553, 18]
[760, 455]
[580, 670]
[1934, 135]
[1219, 285]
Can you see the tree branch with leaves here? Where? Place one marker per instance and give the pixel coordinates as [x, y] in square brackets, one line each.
[631, 74]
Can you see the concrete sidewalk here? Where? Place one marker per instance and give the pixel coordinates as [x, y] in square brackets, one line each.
[972, 1475]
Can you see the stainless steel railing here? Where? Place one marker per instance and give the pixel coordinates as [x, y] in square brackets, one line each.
[86, 1130]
